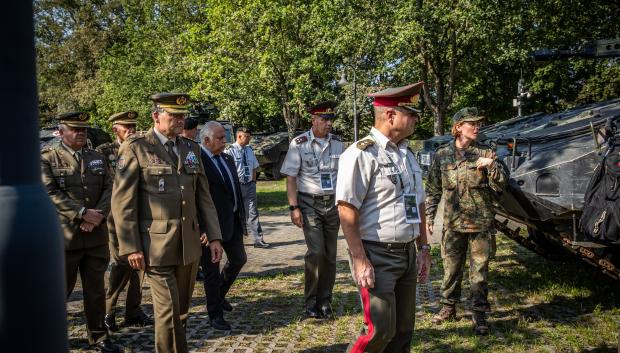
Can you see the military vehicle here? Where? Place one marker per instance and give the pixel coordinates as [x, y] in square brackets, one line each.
[551, 158]
[270, 150]
[48, 136]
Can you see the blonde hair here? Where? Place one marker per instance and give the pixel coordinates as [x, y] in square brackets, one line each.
[454, 130]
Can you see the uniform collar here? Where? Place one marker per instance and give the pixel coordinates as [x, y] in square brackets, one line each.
[311, 136]
[71, 150]
[384, 142]
[162, 138]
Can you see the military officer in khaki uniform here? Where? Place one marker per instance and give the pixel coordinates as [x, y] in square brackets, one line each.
[80, 186]
[380, 198]
[121, 274]
[311, 167]
[160, 192]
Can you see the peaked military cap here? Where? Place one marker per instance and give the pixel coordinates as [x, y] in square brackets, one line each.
[128, 118]
[325, 110]
[407, 97]
[467, 114]
[173, 103]
[74, 119]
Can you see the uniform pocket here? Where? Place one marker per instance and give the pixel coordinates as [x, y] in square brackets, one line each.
[154, 227]
[475, 178]
[449, 176]
[190, 170]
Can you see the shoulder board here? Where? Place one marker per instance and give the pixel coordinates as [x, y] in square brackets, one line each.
[442, 147]
[134, 137]
[301, 139]
[336, 137]
[187, 139]
[363, 144]
[47, 149]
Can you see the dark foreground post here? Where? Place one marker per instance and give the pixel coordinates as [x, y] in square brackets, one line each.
[32, 280]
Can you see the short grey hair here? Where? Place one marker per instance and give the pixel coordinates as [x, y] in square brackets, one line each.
[207, 130]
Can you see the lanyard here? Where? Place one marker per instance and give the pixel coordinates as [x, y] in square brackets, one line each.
[407, 163]
[316, 159]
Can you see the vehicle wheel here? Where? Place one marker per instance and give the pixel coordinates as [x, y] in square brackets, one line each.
[275, 170]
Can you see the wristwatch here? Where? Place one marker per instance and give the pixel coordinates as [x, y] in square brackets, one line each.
[293, 207]
[425, 247]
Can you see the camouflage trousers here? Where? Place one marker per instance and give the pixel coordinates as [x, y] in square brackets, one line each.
[454, 253]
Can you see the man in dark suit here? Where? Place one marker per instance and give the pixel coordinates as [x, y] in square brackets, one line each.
[221, 173]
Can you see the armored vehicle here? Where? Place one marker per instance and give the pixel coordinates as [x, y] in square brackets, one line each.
[551, 158]
[270, 150]
[48, 136]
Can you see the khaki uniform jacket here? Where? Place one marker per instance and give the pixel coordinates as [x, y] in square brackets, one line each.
[72, 186]
[156, 205]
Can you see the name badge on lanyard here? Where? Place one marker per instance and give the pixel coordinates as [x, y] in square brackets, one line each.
[412, 212]
[327, 183]
[246, 173]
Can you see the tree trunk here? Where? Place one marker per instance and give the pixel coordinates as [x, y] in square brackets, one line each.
[438, 124]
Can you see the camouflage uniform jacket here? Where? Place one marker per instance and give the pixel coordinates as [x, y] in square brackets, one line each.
[468, 192]
[110, 151]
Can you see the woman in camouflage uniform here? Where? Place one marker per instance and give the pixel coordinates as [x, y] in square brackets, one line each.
[468, 174]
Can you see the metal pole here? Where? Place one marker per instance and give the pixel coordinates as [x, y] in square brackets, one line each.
[519, 96]
[355, 126]
[32, 281]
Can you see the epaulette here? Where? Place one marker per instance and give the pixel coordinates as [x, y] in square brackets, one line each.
[363, 144]
[47, 149]
[301, 139]
[336, 137]
[134, 137]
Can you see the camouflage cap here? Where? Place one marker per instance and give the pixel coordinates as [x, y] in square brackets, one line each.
[74, 119]
[467, 114]
[127, 118]
[325, 110]
[173, 103]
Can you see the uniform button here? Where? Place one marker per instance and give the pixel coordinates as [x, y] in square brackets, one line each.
[183, 218]
[183, 202]
[182, 187]
[148, 229]
[87, 199]
[85, 187]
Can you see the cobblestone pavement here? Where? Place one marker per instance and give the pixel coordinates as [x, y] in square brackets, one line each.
[267, 315]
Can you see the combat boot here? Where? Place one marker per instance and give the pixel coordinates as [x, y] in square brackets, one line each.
[447, 313]
[479, 320]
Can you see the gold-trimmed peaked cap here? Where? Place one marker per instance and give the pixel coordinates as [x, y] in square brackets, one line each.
[467, 114]
[74, 119]
[326, 109]
[407, 97]
[173, 103]
[126, 118]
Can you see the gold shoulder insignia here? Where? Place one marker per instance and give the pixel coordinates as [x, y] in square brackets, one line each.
[47, 149]
[301, 139]
[364, 144]
[134, 137]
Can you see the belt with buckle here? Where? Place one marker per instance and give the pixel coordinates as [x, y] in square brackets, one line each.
[319, 197]
[391, 246]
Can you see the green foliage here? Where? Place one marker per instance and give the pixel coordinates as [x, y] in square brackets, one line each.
[261, 63]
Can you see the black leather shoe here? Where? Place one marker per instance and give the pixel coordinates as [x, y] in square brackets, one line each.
[312, 312]
[261, 244]
[226, 305]
[140, 320]
[110, 322]
[106, 346]
[326, 311]
[220, 324]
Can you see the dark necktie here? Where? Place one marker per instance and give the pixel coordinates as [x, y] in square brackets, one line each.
[77, 156]
[173, 155]
[220, 165]
[244, 163]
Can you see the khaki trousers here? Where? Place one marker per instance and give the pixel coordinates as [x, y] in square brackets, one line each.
[91, 264]
[172, 288]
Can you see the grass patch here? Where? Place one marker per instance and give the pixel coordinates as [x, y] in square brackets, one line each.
[538, 306]
[272, 195]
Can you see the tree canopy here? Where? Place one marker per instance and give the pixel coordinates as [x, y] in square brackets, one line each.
[261, 63]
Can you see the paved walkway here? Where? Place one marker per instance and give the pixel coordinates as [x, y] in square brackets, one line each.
[267, 313]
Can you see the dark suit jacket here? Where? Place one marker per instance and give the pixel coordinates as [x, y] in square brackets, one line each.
[222, 197]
